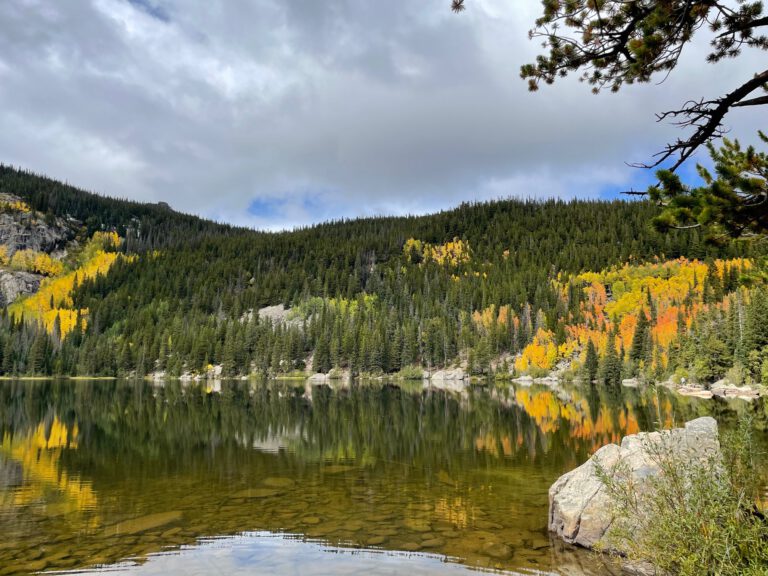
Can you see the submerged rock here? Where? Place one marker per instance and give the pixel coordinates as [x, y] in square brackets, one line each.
[250, 493]
[278, 482]
[580, 507]
[497, 550]
[143, 523]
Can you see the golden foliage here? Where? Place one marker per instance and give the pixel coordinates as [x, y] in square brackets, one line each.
[453, 253]
[615, 298]
[485, 318]
[37, 262]
[15, 205]
[39, 453]
[540, 353]
[54, 298]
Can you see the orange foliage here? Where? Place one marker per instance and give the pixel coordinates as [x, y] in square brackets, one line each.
[485, 318]
[614, 299]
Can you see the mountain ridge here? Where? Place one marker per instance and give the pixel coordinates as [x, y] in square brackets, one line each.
[161, 291]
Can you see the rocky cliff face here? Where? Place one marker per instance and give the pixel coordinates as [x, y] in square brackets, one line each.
[15, 283]
[23, 229]
[29, 231]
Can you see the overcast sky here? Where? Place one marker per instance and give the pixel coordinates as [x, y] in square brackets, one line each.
[277, 113]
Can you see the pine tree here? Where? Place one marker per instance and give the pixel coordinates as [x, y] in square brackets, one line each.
[610, 370]
[638, 352]
[591, 362]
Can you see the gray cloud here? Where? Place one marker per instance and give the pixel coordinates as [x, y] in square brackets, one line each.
[274, 113]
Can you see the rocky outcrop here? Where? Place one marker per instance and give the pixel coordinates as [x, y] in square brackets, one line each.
[276, 314]
[29, 231]
[14, 283]
[448, 375]
[694, 392]
[580, 509]
[318, 379]
[22, 229]
[550, 380]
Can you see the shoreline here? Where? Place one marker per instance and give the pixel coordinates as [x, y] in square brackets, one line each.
[720, 389]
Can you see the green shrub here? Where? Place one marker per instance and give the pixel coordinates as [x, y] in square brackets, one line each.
[411, 373]
[736, 375]
[694, 519]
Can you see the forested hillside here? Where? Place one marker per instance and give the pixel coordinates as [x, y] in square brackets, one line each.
[495, 286]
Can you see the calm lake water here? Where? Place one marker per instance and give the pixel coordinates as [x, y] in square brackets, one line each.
[276, 478]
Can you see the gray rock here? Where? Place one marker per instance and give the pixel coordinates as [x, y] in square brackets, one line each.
[550, 380]
[277, 314]
[524, 380]
[29, 231]
[16, 283]
[694, 391]
[318, 378]
[443, 375]
[732, 391]
[579, 506]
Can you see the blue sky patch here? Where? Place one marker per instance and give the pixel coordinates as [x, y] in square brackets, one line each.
[267, 207]
[151, 8]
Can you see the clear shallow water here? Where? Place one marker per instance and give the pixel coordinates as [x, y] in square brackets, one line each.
[96, 473]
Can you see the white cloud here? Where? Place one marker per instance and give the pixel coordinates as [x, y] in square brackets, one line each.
[348, 108]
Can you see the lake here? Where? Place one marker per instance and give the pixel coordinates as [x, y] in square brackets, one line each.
[280, 478]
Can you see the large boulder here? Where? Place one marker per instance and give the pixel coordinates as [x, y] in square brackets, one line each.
[448, 375]
[580, 509]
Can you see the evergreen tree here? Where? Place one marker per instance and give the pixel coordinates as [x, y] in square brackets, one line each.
[610, 370]
[591, 362]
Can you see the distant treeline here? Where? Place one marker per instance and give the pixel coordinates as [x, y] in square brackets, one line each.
[369, 295]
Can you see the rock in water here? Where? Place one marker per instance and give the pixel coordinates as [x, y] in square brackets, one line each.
[448, 375]
[144, 523]
[579, 505]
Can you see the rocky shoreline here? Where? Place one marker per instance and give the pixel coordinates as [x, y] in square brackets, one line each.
[457, 379]
[720, 390]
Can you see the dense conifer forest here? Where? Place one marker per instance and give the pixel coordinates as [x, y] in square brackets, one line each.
[500, 287]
